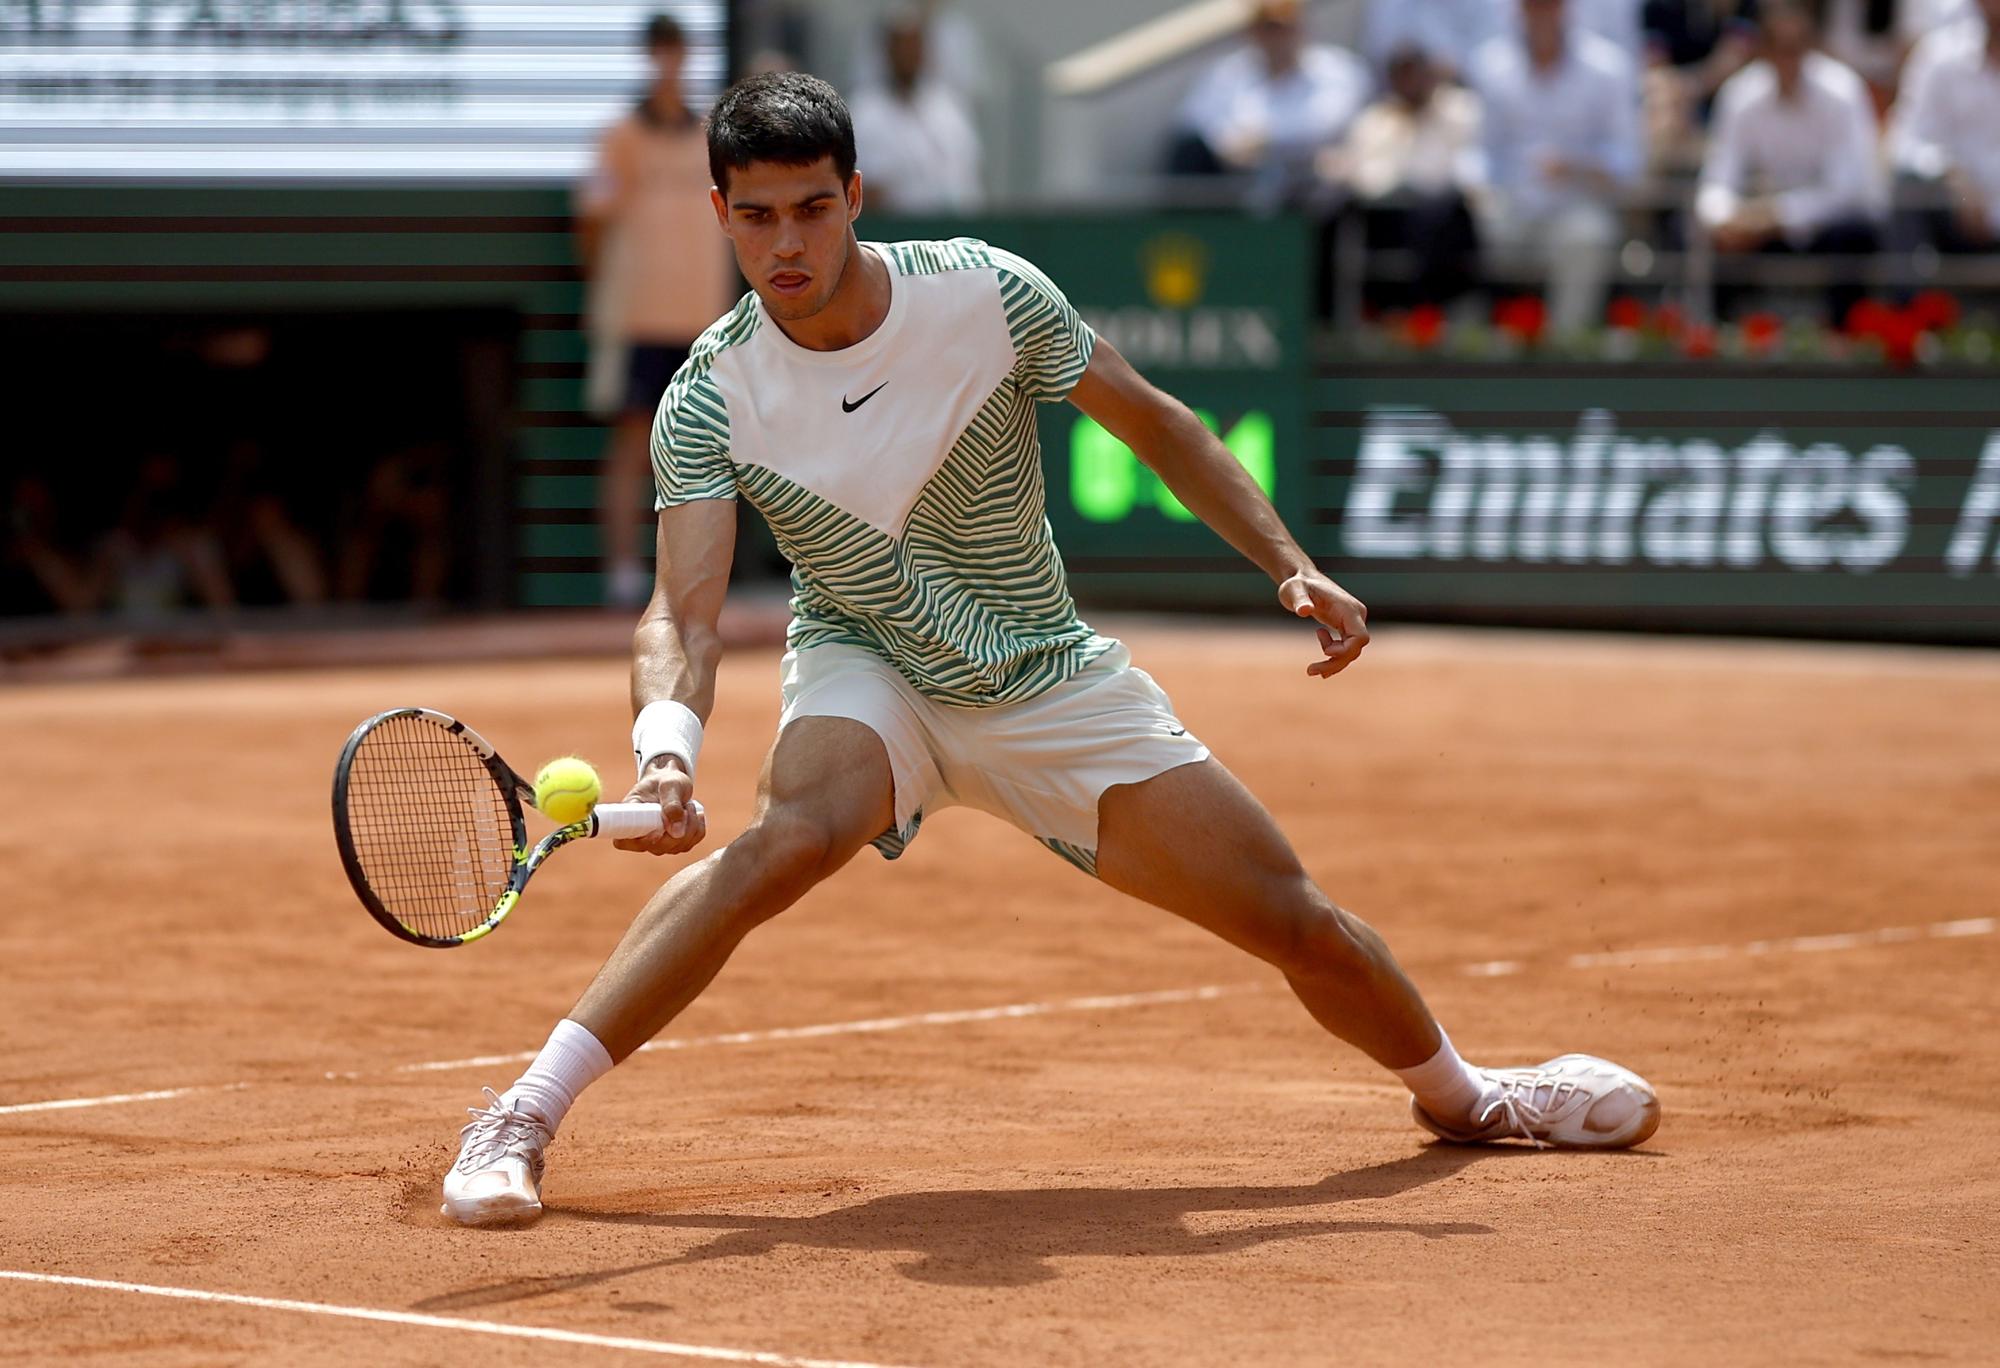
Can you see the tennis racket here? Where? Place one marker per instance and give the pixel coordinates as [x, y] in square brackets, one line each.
[431, 832]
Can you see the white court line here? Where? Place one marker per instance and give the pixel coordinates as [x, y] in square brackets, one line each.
[161, 1095]
[1623, 959]
[869, 1025]
[1694, 954]
[901, 1023]
[477, 1327]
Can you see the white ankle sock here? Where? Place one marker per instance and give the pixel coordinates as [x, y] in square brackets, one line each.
[1446, 1086]
[571, 1061]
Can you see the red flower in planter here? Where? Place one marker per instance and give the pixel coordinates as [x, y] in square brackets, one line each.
[1899, 333]
[1625, 313]
[1761, 331]
[1869, 318]
[1698, 343]
[1523, 316]
[1424, 327]
[1934, 310]
[1669, 322]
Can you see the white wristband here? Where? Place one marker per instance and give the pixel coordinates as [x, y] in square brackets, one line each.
[666, 728]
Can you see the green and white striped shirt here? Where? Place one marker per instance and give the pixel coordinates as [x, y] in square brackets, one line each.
[902, 475]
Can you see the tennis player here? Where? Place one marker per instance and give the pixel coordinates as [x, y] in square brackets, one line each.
[876, 402]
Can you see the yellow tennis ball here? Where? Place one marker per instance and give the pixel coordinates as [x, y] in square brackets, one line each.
[566, 789]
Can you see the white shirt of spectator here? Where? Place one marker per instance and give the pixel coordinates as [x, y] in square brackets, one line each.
[1436, 148]
[1814, 156]
[1949, 116]
[1237, 106]
[1583, 111]
[922, 154]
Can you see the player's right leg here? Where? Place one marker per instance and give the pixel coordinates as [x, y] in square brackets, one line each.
[826, 791]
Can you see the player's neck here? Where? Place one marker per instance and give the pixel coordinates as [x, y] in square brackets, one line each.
[859, 305]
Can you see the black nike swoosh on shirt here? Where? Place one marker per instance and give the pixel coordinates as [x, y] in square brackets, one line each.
[846, 407]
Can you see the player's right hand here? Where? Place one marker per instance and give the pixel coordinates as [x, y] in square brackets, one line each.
[672, 787]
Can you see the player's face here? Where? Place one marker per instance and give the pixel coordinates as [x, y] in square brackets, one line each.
[792, 230]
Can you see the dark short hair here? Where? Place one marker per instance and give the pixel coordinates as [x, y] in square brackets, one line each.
[663, 30]
[786, 117]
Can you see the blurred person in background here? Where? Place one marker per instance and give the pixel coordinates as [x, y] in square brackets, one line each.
[1449, 32]
[405, 500]
[1707, 41]
[1947, 130]
[1267, 109]
[1562, 143]
[1412, 161]
[163, 554]
[40, 545]
[1792, 157]
[233, 380]
[1692, 47]
[954, 53]
[1874, 36]
[919, 151]
[658, 274]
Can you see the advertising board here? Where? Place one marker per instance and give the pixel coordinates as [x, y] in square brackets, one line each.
[422, 90]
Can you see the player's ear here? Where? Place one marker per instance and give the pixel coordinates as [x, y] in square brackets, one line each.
[854, 196]
[720, 204]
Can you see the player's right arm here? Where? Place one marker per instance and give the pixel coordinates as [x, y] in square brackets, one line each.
[674, 654]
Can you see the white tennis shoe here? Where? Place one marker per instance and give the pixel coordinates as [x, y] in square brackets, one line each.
[498, 1177]
[1575, 1101]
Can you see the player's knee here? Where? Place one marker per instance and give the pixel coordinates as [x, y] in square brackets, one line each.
[789, 853]
[1322, 941]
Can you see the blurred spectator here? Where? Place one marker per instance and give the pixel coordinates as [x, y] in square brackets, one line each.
[1873, 36]
[954, 53]
[259, 531]
[1269, 108]
[405, 498]
[1692, 47]
[162, 553]
[1411, 161]
[1619, 22]
[38, 545]
[1562, 142]
[1791, 161]
[659, 274]
[913, 139]
[1710, 40]
[233, 376]
[1947, 130]
[1449, 32]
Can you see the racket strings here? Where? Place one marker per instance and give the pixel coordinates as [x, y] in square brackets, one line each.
[430, 825]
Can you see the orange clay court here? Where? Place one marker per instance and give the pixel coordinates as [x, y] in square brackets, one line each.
[1763, 875]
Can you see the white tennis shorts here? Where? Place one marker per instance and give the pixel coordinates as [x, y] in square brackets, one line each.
[1041, 764]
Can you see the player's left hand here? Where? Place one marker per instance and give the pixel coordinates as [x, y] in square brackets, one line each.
[1342, 619]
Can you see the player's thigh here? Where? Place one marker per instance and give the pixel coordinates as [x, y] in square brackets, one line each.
[1197, 843]
[826, 784]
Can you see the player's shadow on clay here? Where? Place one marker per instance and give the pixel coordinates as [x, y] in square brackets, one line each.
[1005, 1238]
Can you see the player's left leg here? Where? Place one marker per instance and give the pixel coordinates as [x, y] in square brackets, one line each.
[1194, 841]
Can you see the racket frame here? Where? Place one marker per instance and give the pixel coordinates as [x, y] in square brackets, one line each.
[513, 788]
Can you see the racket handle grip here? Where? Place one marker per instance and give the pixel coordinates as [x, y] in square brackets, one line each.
[624, 821]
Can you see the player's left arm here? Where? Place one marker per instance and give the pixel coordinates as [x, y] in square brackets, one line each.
[1207, 478]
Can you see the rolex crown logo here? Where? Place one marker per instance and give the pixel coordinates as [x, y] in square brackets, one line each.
[1176, 269]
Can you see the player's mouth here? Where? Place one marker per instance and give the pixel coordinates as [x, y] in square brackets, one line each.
[789, 282]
